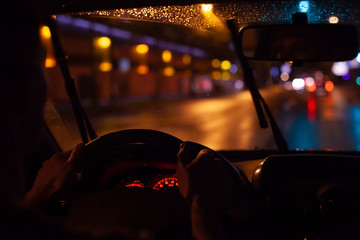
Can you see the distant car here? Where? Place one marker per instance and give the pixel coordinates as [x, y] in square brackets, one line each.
[153, 74]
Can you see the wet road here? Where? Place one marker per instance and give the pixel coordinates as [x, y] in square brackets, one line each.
[321, 122]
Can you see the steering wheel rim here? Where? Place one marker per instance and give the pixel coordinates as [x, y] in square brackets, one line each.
[91, 202]
[101, 147]
[160, 141]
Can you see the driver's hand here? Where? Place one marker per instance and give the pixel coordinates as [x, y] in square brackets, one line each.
[57, 175]
[207, 185]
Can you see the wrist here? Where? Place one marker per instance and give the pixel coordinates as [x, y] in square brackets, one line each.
[37, 197]
[207, 220]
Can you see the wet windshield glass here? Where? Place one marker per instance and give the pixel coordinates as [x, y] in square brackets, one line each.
[173, 69]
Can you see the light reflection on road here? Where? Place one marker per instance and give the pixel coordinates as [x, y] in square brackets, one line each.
[355, 126]
[308, 122]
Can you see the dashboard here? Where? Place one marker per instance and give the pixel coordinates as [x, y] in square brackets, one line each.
[160, 182]
[293, 196]
[141, 174]
[307, 195]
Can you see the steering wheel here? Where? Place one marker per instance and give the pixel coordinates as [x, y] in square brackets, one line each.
[133, 144]
[129, 211]
[128, 145]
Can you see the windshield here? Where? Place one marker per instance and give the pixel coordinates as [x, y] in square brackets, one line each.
[174, 69]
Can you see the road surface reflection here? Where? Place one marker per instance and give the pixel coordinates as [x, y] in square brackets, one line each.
[308, 122]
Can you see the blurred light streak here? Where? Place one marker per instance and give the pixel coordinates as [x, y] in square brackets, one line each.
[45, 36]
[45, 32]
[123, 34]
[233, 68]
[50, 62]
[210, 17]
[166, 56]
[225, 76]
[169, 71]
[206, 84]
[215, 63]
[288, 86]
[358, 81]
[105, 66]
[81, 23]
[186, 59]
[119, 33]
[311, 88]
[304, 6]
[298, 83]
[355, 126]
[319, 75]
[319, 82]
[358, 58]
[285, 68]
[333, 19]
[239, 84]
[329, 112]
[64, 19]
[329, 86]
[124, 65]
[353, 64]
[206, 7]
[216, 75]
[142, 69]
[347, 76]
[101, 28]
[104, 42]
[142, 49]
[284, 76]
[340, 68]
[302, 134]
[147, 40]
[225, 65]
[309, 81]
[274, 71]
[311, 103]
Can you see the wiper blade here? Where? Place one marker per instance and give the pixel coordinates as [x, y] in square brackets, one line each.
[259, 102]
[87, 131]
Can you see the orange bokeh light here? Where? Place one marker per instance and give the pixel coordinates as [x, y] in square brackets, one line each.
[142, 69]
[329, 86]
[50, 62]
[312, 88]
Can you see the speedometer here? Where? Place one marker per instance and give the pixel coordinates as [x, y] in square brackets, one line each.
[164, 182]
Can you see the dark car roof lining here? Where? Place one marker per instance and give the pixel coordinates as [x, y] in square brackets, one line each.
[68, 6]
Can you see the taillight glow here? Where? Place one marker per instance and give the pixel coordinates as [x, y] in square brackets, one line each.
[329, 86]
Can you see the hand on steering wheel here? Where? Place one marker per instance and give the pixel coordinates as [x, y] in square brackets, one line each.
[207, 185]
[204, 177]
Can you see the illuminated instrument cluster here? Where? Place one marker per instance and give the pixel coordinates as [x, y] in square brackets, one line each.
[160, 182]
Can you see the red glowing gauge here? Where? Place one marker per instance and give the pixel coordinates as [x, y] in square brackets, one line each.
[135, 183]
[165, 182]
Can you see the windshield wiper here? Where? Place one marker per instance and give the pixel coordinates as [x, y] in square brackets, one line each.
[87, 131]
[259, 102]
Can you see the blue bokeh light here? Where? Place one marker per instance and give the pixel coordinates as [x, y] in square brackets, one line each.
[347, 76]
[124, 65]
[233, 68]
[285, 68]
[358, 81]
[274, 72]
[304, 6]
[358, 58]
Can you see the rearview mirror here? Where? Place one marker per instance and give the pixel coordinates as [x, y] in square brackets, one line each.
[308, 42]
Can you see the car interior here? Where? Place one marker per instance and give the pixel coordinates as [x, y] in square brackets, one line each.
[128, 187]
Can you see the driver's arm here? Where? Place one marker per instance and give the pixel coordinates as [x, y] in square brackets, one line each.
[56, 175]
[206, 185]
